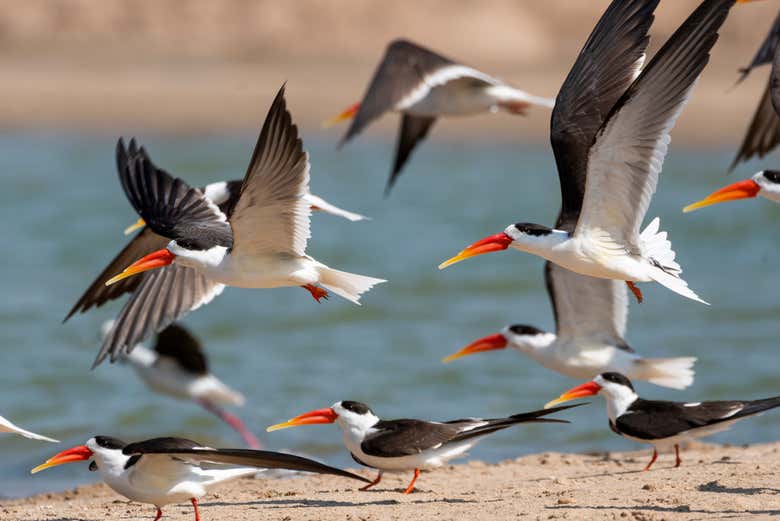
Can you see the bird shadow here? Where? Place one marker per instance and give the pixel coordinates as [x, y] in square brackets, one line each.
[329, 503]
[715, 486]
[640, 470]
[660, 509]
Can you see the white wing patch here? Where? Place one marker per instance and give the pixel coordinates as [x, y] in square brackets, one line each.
[438, 78]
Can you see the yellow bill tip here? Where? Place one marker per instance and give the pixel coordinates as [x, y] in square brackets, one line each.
[140, 223]
[279, 426]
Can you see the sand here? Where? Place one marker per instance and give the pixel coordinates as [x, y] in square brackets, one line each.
[715, 482]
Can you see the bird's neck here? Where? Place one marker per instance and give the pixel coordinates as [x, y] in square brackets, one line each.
[618, 403]
[543, 245]
[534, 345]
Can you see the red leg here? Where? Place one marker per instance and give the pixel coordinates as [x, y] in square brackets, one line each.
[515, 107]
[411, 485]
[316, 292]
[195, 506]
[652, 460]
[377, 480]
[159, 514]
[232, 420]
[635, 290]
[677, 454]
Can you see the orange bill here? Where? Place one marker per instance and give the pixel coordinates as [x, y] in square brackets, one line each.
[349, 113]
[497, 242]
[154, 260]
[80, 453]
[739, 190]
[316, 416]
[140, 223]
[488, 343]
[581, 391]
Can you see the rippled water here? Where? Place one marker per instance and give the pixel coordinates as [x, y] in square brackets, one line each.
[63, 215]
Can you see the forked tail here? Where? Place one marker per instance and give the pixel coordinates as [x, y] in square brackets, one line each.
[347, 285]
[664, 270]
[675, 373]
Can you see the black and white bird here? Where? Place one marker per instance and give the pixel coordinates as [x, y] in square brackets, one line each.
[423, 85]
[257, 241]
[407, 445]
[610, 132]
[765, 183]
[763, 133]
[663, 424]
[162, 471]
[7, 425]
[590, 319]
[177, 366]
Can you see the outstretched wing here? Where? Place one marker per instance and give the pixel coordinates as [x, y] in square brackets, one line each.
[177, 342]
[763, 134]
[271, 216]
[608, 63]
[407, 437]
[413, 130]
[766, 52]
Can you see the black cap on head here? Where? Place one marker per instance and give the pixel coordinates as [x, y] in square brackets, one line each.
[522, 329]
[773, 176]
[109, 442]
[617, 378]
[533, 229]
[356, 407]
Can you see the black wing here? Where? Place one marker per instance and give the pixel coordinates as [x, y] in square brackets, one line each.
[763, 134]
[651, 419]
[163, 296]
[178, 343]
[606, 66]
[402, 69]
[169, 206]
[766, 52]
[97, 294]
[242, 457]
[413, 130]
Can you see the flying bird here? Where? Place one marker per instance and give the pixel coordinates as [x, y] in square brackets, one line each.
[590, 318]
[765, 183]
[610, 132]
[663, 424]
[259, 241]
[763, 133]
[163, 471]
[407, 445]
[422, 85]
[8, 426]
[177, 366]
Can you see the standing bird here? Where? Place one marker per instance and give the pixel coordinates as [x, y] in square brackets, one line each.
[258, 242]
[404, 445]
[663, 424]
[765, 183]
[590, 319]
[617, 158]
[8, 426]
[763, 133]
[178, 367]
[422, 85]
[162, 471]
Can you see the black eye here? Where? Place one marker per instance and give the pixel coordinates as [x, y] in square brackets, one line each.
[108, 442]
[772, 175]
[521, 329]
[533, 229]
[356, 407]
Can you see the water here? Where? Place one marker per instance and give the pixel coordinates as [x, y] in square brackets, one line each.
[63, 216]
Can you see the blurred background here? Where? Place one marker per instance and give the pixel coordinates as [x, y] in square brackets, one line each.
[193, 80]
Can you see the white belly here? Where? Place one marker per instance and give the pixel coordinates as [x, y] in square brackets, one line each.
[453, 99]
[586, 362]
[426, 459]
[266, 272]
[589, 259]
[666, 444]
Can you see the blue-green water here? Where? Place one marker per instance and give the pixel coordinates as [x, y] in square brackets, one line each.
[63, 215]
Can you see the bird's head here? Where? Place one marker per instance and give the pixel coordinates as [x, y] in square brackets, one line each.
[522, 236]
[190, 253]
[349, 415]
[344, 115]
[615, 388]
[518, 336]
[765, 183]
[105, 452]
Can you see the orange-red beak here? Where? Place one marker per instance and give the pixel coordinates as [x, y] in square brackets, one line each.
[156, 259]
[497, 242]
[581, 391]
[349, 113]
[327, 415]
[488, 343]
[740, 190]
[80, 453]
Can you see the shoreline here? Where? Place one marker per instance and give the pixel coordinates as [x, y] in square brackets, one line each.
[714, 481]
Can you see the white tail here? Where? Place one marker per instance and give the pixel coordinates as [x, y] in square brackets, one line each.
[347, 285]
[318, 203]
[676, 373]
[663, 269]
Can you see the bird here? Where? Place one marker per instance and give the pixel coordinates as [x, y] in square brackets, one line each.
[610, 132]
[763, 133]
[163, 471]
[7, 425]
[422, 85]
[259, 241]
[177, 366]
[227, 193]
[660, 423]
[765, 183]
[407, 445]
[590, 318]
